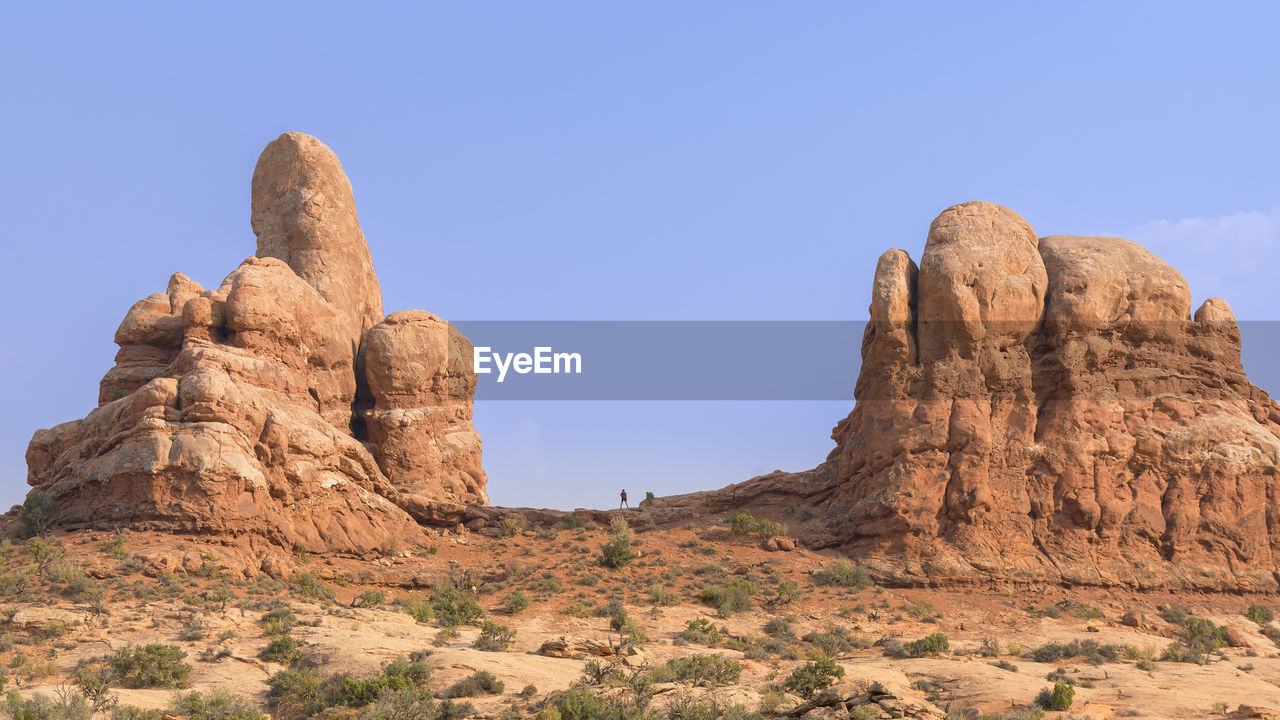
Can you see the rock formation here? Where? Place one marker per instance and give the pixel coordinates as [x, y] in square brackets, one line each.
[1043, 410]
[244, 410]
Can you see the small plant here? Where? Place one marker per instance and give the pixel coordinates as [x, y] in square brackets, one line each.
[151, 666]
[743, 523]
[813, 676]
[787, 593]
[929, 645]
[1005, 665]
[728, 598]
[278, 620]
[699, 671]
[478, 683]
[648, 496]
[35, 517]
[513, 524]
[701, 631]
[370, 599]
[1059, 697]
[282, 649]
[307, 585]
[114, 548]
[1259, 614]
[659, 595]
[218, 704]
[842, 573]
[494, 637]
[516, 603]
[451, 607]
[617, 552]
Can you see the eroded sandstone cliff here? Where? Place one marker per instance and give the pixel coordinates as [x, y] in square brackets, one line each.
[1041, 410]
[281, 405]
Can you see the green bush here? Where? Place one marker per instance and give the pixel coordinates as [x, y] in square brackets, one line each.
[513, 524]
[478, 683]
[371, 599]
[151, 666]
[278, 620]
[836, 640]
[701, 631]
[307, 585]
[929, 645]
[452, 607]
[282, 649]
[303, 693]
[730, 597]
[35, 517]
[71, 706]
[494, 637]
[617, 552]
[1092, 651]
[1259, 614]
[842, 573]
[699, 671]
[218, 704]
[813, 676]
[1059, 697]
[743, 523]
[516, 603]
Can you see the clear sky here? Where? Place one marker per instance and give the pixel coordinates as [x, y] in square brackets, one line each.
[589, 160]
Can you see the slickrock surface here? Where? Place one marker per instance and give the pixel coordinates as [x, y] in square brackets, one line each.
[242, 410]
[1041, 410]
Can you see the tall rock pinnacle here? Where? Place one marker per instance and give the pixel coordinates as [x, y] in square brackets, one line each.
[304, 213]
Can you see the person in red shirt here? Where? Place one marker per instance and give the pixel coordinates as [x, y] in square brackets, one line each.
[623, 504]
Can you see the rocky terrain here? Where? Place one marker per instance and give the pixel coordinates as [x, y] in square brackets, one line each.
[546, 621]
[1055, 496]
[1042, 410]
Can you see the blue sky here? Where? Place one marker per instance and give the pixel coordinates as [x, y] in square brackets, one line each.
[744, 160]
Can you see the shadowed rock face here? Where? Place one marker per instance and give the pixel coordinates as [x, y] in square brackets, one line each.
[1041, 411]
[230, 411]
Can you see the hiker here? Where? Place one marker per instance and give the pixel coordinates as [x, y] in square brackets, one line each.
[624, 504]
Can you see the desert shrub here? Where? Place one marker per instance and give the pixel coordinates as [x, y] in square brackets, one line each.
[303, 693]
[516, 603]
[836, 640]
[478, 683]
[218, 704]
[779, 628]
[617, 552]
[1259, 614]
[699, 671]
[659, 595]
[1059, 697]
[628, 630]
[929, 645]
[67, 706]
[842, 573]
[579, 703]
[452, 607]
[418, 607]
[151, 665]
[41, 550]
[767, 528]
[813, 676]
[570, 522]
[513, 524]
[788, 592]
[729, 597]
[278, 620]
[74, 583]
[307, 585]
[701, 631]
[1091, 650]
[35, 517]
[1005, 665]
[494, 637]
[743, 523]
[114, 547]
[371, 599]
[1203, 635]
[133, 712]
[282, 649]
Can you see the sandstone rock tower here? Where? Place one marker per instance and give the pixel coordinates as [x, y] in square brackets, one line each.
[1042, 410]
[282, 404]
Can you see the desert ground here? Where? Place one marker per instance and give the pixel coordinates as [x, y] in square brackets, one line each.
[523, 621]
